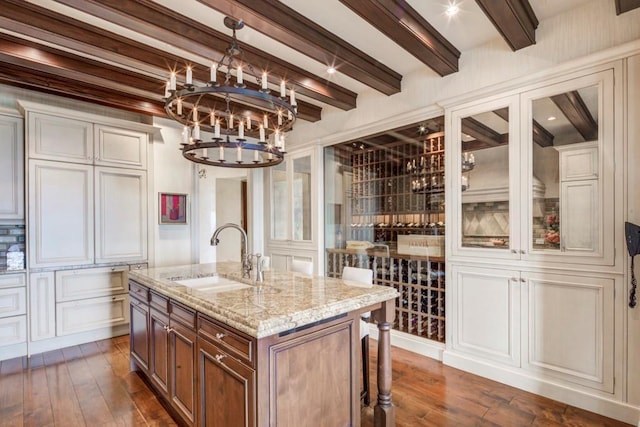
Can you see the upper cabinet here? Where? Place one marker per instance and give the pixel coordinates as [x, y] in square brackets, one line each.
[535, 173]
[11, 169]
[291, 193]
[52, 137]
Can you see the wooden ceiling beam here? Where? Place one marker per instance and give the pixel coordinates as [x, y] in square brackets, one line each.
[405, 26]
[515, 20]
[153, 20]
[282, 23]
[541, 136]
[481, 132]
[29, 21]
[40, 81]
[575, 110]
[623, 6]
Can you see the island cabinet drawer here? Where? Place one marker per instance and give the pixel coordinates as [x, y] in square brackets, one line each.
[72, 285]
[159, 302]
[234, 343]
[138, 291]
[182, 314]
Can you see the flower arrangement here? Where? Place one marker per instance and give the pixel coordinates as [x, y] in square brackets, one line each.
[553, 229]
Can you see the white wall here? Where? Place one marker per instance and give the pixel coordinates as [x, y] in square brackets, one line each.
[229, 194]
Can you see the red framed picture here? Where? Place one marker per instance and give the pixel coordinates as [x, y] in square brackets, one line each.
[172, 208]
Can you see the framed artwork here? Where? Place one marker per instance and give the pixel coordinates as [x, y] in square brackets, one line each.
[172, 208]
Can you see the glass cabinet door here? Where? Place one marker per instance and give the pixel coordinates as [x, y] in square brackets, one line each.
[485, 168]
[279, 202]
[301, 198]
[568, 130]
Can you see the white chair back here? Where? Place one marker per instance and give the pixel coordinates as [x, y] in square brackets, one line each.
[360, 275]
[304, 267]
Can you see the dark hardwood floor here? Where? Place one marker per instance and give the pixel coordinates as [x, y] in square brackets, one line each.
[90, 385]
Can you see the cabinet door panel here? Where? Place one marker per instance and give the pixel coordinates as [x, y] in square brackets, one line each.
[121, 214]
[90, 283]
[120, 147]
[93, 313]
[12, 280]
[60, 214]
[580, 216]
[13, 301]
[227, 389]
[159, 359]
[11, 168]
[182, 365]
[42, 306]
[58, 138]
[139, 327]
[486, 313]
[13, 330]
[571, 328]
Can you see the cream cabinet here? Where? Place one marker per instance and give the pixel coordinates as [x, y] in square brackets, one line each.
[60, 214]
[13, 309]
[11, 169]
[42, 306]
[91, 298]
[559, 326]
[53, 137]
[120, 215]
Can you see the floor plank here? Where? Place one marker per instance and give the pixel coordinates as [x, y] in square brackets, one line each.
[92, 385]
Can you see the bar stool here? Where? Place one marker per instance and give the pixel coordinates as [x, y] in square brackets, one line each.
[304, 267]
[365, 276]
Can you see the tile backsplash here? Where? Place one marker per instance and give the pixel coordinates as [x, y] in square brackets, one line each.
[10, 235]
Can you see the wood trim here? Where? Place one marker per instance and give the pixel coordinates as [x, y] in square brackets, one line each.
[541, 135]
[284, 24]
[481, 132]
[156, 21]
[623, 6]
[405, 26]
[515, 20]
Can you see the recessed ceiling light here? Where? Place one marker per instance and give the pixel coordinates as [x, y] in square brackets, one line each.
[331, 70]
[551, 118]
[452, 10]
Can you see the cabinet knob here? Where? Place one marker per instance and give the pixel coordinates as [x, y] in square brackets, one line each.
[220, 336]
[219, 357]
[522, 251]
[522, 279]
[514, 279]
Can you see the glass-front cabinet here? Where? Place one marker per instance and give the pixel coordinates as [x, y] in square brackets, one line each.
[533, 174]
[290, 193]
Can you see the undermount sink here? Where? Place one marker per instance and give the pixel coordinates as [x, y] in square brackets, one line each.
[213, 283]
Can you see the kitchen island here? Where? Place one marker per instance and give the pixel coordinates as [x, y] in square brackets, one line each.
[223, 350]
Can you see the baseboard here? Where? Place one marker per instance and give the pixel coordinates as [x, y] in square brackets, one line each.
[516, 378]
[424, 347]
[12, 351]
[37, 347]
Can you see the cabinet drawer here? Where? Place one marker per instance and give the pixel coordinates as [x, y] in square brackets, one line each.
[93, 313]
[159, 302]
[73, 285]
[12, 280]
[138, 291]
[13, 330]
[182, 314]
[238, 346]
[139, 266]
[13, 301]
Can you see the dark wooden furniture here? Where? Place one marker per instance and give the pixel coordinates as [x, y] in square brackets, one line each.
[209, 374]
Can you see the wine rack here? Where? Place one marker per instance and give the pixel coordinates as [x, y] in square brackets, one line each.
[398, 189]
[420, 281]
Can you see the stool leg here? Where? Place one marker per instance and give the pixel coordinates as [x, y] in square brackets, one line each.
[366, 392]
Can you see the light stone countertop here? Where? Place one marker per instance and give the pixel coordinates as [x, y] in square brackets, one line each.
[284, 301]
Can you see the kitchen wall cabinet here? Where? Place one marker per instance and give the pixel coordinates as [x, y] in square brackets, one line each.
[290, 193]
[11, 169]
[559, 326]
[53, 137]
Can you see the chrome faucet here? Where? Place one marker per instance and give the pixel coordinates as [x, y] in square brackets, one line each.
[244, 254]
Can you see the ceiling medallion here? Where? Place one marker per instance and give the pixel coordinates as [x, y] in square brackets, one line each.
[248, 124]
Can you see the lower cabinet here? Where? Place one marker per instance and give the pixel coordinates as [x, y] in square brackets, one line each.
[209, 374]
[13, 309]
[558, 326]
[139, 336]
[42, 306]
